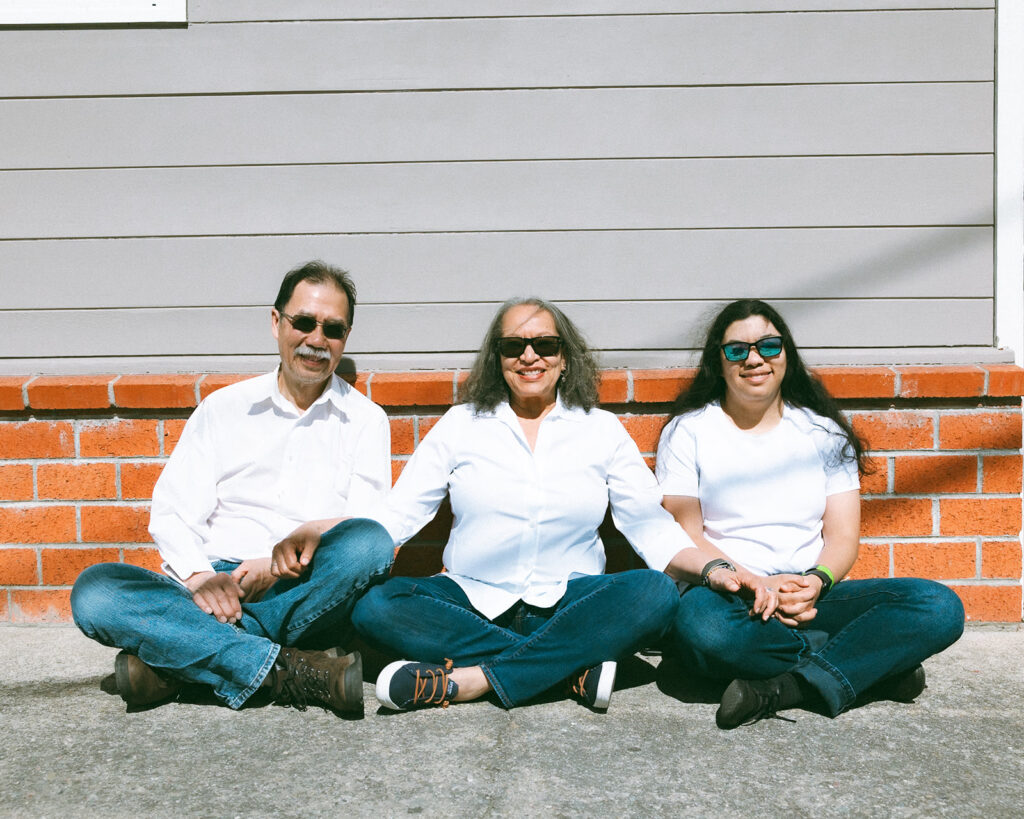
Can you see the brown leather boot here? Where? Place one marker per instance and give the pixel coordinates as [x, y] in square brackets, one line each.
[138, 684]
[300, 676]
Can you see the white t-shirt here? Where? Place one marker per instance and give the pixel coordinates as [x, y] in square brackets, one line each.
[762, 495]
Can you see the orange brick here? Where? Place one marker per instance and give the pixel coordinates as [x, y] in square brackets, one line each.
[18, 567]
[70, 392]
[61, 567]
[424, 425]
[36, 439]
[138, 480]
[16, 482]
[895, 517]
[40, 605]
[1004, 379]
[1001, 473]
[937, 561]
[173, 427]
[979, 516]
[146, 558]
[11, 396]
[614, 387]
[119, 438]
[5, 613]
[115, 524]
[155, 391]
[894, 430]
[858, 382]
[402, 436]
[357, 380]
[77, 481]
[876, 480]
[1001, 558]
[644, 429]
[413, 389]
[652, 386]
[396, 469]
[1000, 604]
[214, 381]
[980, 430]
[941, 382]
[930, 474]
[38, 524]
[872, 561]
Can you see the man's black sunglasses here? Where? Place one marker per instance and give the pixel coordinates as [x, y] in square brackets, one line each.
[307, 324]
[515, 346]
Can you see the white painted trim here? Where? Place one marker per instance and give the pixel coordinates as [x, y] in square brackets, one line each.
[1009, 304]
[90, 12]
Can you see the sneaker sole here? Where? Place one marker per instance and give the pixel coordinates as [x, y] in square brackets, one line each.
[605, 684]
[383, 687]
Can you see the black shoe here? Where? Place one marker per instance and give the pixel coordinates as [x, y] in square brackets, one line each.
[299, 677]
[405, 685]
[903, 687]
[747, 701]
[139, 684]
[594, 685]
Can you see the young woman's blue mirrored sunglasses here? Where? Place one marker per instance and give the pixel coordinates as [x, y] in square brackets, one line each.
[766, 348]
[515, 346]
[307, 324]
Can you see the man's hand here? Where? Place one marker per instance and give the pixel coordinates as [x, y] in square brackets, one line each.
[292, 555]
[218, 594]
[797, 597]
[254, 578]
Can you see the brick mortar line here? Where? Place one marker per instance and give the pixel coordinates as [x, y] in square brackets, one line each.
[881, 540]
[943, 496]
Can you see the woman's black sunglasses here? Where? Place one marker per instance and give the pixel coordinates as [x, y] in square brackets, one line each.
[514, 346]
[307, 324]
[766, 348]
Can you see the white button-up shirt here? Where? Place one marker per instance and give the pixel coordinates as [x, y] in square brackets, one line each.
[250, 467]
[526, 521]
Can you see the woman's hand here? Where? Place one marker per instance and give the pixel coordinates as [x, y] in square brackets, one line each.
[798, 595]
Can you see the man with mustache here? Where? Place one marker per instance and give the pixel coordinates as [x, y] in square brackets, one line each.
[255, 460]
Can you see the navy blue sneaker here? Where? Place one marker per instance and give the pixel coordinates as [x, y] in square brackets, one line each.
[594, 685]
[404, 685]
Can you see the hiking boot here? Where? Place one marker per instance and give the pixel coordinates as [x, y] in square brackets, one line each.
[594, 685]
[139, 684]
[747, 701]
[903, 687]
[405, 685]
[299, 677]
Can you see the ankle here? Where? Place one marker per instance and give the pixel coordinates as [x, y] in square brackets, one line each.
[471, 682]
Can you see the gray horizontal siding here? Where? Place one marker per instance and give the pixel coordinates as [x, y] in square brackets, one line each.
[882, 263]
[482, 125]
[675, 50]
[241, 10]
[403, 328]
[558, 195]
[640, 162]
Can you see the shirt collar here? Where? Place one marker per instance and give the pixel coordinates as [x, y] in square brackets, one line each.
[333, 392]
[559, 411]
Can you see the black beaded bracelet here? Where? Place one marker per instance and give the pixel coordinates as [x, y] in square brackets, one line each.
[717, 563]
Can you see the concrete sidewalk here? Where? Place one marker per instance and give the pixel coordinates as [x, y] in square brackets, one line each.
[68, 749]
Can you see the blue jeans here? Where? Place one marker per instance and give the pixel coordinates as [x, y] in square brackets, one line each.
[526, 650]
[865, 631]
[152, 616]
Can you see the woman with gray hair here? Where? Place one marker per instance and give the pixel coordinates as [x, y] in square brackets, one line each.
[531, 467]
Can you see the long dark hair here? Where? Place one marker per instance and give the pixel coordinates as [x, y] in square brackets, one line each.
[800, 387]
[485, 387]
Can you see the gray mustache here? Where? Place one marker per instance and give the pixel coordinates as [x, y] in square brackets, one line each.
[312, 352]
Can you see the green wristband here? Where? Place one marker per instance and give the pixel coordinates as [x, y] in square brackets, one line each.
[821, 567]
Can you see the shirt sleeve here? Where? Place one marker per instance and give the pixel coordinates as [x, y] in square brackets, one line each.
[422, 486]
[677, 460]
[184, 497]
[841, 474]
[637, 512]
[371, 474]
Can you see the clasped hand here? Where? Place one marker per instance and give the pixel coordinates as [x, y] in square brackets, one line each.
[220, 594]
[789, 598]
[292, 555]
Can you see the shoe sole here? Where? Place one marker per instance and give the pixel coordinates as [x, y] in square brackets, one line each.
[605, 684]
[383, 687]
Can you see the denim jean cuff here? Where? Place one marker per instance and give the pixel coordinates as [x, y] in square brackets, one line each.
[496, 685]
[828, 681]
[239, 699]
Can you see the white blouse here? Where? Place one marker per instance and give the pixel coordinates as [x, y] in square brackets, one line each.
[526, 521]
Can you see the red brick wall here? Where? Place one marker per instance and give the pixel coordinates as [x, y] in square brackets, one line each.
[79, 457]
